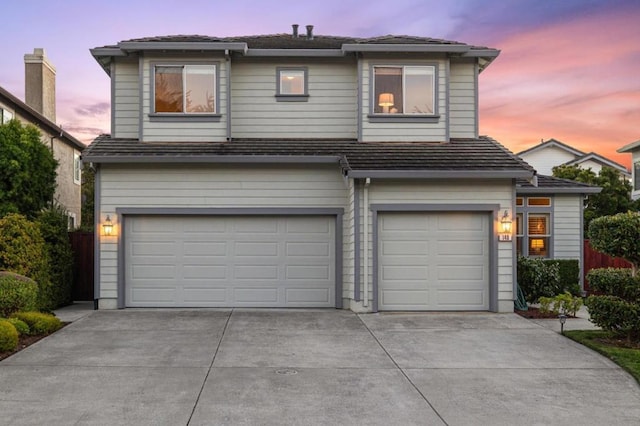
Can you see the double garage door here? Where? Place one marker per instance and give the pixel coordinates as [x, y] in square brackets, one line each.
[434, 261]
[230, 261]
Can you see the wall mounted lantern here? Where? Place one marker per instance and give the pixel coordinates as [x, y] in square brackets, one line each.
[505, 227]
[107, 226]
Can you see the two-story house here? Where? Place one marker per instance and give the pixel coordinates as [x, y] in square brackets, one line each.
[295, 170]
[634, 149]
[39, 109]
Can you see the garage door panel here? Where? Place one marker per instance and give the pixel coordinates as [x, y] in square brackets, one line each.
[433, 261]
[226, 261]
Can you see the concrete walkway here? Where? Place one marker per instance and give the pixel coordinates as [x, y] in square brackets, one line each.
[308, 367]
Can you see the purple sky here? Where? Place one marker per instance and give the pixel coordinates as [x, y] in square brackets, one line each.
[568, 70]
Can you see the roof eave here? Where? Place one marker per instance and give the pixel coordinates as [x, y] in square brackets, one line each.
[183, 45]
[441, 174]
[229, 159]
[295, 52]
[547, 190]
[400, 47]
[630, 147]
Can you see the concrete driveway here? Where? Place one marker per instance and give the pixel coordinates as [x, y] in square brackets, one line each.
[306, 367]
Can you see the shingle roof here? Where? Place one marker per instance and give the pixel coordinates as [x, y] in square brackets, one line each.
[551, 184]
[478, 155]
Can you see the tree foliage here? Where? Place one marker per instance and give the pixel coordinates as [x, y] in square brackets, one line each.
[88, 200]
[615, 196]
[27, 170]
[618, 236]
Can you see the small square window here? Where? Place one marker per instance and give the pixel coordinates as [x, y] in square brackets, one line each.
[292, 84]
[519, 201]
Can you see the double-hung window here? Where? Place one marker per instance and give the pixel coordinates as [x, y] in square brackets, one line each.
[185, 89]
[409, 89]
[77, 168]
[533, 226]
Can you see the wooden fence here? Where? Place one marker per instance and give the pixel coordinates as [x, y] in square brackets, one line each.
[82, 246]
[594, 259]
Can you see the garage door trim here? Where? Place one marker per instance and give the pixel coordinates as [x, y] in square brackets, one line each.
[492, 209]
[124, 212]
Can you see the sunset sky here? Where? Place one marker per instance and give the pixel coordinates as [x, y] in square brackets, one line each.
[569, 69]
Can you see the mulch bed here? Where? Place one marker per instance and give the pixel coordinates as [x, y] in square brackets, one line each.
[534, 313]
[26, 341]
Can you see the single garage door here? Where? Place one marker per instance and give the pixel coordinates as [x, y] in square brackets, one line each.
[229, 261]
[433, 261]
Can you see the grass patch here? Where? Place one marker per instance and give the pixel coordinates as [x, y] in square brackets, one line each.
[625, 354]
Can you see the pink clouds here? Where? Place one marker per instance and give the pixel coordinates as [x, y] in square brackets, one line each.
[575, 81]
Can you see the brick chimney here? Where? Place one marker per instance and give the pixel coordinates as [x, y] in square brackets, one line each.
[40, 83]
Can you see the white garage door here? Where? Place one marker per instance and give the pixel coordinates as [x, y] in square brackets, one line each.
[433, 261]
[251, 261]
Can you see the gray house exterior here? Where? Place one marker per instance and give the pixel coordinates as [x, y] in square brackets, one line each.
[307, 171]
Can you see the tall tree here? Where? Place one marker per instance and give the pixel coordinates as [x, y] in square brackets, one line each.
[27, 170]
[615, 196]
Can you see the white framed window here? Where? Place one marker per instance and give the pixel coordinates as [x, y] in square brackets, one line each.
[185, 89]
[407, 90]
[538, 234]
[636, 176]
[5, 116]
[292, 84]
[71, 221]
[77, 168]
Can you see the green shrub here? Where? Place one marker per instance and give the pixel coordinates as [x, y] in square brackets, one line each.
[21, 326]
[618, 236]
[562, 303]
[8, 336]
[615, 282]
[17, 293]
[569, 275]
[538, 278]
[616, 315]
[23, 251]
[38, 322]
[53, 227]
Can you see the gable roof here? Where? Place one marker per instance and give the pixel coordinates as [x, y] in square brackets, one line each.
[554, 185]
[552, 143]
[630, 147]
[39, 120]
[459, 158]
[288, 45]
[599, 159]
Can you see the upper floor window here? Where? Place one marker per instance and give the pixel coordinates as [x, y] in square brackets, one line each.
[185, 89]
[404, 90]
[77, 168]
[5, 116]
[636, 176]
[291, 84]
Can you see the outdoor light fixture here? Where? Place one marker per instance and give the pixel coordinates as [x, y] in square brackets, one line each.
[505, 227]
[385, 100]
[563, 318]
[107, 226]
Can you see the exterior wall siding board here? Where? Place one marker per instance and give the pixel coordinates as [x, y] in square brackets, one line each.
[462, 100]
[126, 103]
[566, 226]
[328, 112]
[219, 186]
[545, 159]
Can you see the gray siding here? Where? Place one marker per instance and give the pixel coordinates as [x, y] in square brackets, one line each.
[126, 102]
[462, 100]
[567, 235]
[207, 186]
[328, 112]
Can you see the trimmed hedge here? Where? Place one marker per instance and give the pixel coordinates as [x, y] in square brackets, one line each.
[38, 322]
[615, 314]
[17, 293]
[617, 282]
[8, 336]
[569, 275]
[538, 278]
[21, 326]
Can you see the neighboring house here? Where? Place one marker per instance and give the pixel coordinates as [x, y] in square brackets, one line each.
[310, 171]
[634, 149]
[40, 111]
[551, 153]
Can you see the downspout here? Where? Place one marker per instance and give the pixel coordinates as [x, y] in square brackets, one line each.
[365, 244]
[228, 72]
